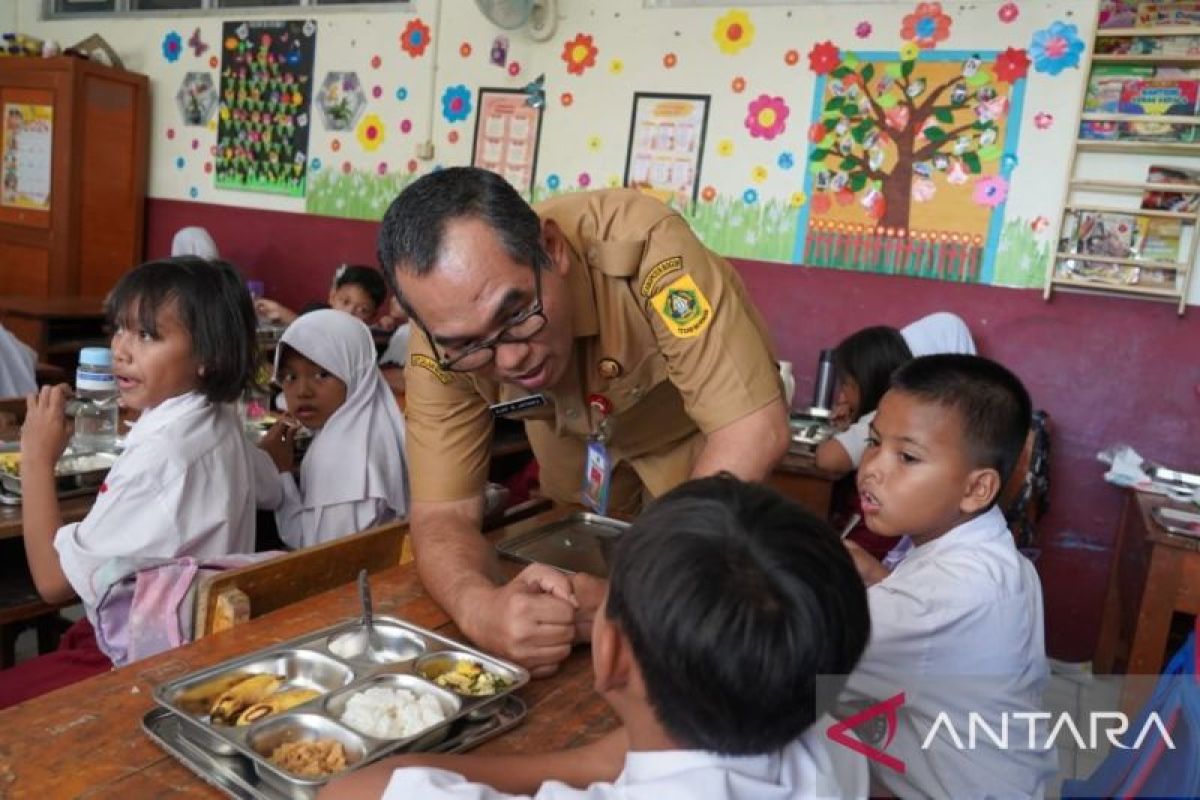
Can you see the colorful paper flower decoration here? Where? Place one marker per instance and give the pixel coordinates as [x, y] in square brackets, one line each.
[172, 46]
[798, 199]
[1043, 120]
[821, 203]
[580, 54]
[1012, 65]
[708, 194]
[725, 147]
[1008, 13]
[456, 103]
[990, 191]
[863, 29]
[415, 38]
[791, 57]
[926, 26]
[553, 181]
[370, 132]
[584, 180]
[1056, 48]
[1039, 224]
[786, 160]
[616, 66]
[766, 117]
[750, 196]
[670, 60]
[824, 57]
[758, 174]
[733, 32]
[909, 51]
[738, 84]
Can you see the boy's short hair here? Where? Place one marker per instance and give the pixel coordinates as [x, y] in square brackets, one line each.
[870, 356]
[734, 599]
[991, 402]
[368, 278]
[214, 306]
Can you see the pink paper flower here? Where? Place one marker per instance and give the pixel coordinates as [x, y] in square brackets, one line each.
[863, 29]
[766, 117]
[1009, 13]
[1043, 120]
[990, 191]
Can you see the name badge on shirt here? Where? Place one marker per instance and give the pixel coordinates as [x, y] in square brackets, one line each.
[597, 476]
[519, 408]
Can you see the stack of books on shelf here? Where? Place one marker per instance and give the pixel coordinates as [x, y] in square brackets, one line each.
[1141, 91]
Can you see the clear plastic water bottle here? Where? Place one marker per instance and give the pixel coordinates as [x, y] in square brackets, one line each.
[96, 410]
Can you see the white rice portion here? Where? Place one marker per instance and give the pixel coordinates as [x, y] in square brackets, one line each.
[392, 713]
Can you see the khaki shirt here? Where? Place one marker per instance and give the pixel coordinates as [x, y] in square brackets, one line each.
[691, 353]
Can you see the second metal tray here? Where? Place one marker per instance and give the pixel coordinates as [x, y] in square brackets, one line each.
[581, 542]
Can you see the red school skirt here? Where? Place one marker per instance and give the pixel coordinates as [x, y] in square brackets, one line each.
[77, 657]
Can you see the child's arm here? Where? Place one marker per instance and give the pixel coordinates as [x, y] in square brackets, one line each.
[523, 774]
[274, 312]
[869, 568]
[43, 439]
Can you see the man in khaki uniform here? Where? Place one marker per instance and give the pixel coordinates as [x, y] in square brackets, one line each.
[607, 305]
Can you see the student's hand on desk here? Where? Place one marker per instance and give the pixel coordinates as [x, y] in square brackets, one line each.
[45, 433]
[530, 619]
[279, 444]
[589, 594]
[869, 568]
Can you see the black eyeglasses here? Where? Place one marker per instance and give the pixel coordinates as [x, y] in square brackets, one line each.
[520, 328]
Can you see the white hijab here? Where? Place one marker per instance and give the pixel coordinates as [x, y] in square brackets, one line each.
[359, 453]
[18, 365]
[194, 242]
[938, 333]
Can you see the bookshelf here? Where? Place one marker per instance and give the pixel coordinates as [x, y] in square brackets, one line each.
[1107, 243]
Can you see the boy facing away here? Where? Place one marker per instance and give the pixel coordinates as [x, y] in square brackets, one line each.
[726, 602]
[957, 624]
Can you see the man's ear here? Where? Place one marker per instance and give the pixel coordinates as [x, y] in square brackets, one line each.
[555, 243]
[982, 487]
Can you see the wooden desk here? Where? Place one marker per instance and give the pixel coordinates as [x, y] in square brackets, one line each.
[87, 738]
[72, 509]
[1153, 575]
[798, 478]
[56, 327]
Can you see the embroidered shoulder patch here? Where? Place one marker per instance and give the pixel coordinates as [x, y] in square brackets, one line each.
[683, 307]
[656, 273]
[425, 362]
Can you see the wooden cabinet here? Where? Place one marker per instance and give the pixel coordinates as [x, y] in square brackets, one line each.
[72, 175]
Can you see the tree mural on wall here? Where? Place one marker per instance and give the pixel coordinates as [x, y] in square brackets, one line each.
[886, 130]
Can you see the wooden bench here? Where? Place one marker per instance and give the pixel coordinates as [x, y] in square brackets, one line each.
[234, 596]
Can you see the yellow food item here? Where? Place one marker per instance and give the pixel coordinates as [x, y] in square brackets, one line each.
[200, 698]
[314, 759]
[242, 695]
[10, 463]
[275, 704]
[469, 677]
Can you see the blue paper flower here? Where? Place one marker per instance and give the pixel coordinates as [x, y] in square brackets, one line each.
[456, 103]
[315, 165]
[402, 94]
[750, 196]
[172, 46]
[1056, 48]
[180, 162]
[786, 160]
[193, 192]
[553, 181]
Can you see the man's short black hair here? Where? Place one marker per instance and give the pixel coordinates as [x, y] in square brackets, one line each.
[992, 404]
[410, 238]
[215, 308]
[869, 357]
[734, 600]
[368, 278]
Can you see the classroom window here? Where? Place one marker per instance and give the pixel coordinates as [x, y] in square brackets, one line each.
[74, 8]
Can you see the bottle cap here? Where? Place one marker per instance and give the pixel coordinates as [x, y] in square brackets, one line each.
[96, 356]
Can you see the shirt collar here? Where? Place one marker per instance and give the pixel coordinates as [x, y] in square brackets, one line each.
[169, 410]
[584, 320]
[983, 528]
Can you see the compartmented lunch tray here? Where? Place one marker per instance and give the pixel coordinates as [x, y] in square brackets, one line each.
[581, 542]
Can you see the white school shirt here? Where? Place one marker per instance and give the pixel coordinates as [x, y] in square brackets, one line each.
[182, 487]
[18, 366]
[803, 769]
[397, 349]
[967, 606]
[353, 476]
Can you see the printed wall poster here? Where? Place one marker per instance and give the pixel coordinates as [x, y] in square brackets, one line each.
[507, 134]
[28, 131]
[266, 87]
[666, 144]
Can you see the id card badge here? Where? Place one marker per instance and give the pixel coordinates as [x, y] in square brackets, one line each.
[597, 476]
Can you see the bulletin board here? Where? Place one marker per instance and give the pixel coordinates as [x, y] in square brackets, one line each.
[666, 145]
[266, 89]
[508, 132]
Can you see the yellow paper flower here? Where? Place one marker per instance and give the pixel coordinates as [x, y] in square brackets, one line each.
[594, 143]
[614, 181]
[733, 32]
[370, 132]
[758, 174]
[798, 199]
[725, 147]
[616, 66]
[909, 51]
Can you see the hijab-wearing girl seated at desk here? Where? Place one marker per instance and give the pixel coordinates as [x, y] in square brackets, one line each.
[353, 475]
[181, 491]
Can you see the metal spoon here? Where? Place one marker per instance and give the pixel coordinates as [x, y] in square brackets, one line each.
[374, 644]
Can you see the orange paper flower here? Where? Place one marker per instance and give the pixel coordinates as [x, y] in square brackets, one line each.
[580, 54]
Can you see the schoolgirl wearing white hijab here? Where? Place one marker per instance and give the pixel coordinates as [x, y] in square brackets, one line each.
[353, 476]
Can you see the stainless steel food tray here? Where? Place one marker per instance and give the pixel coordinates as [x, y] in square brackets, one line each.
[313, 661]
[236, 777]
[581, 542]
[73, 473]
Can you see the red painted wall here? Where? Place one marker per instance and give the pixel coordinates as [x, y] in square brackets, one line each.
[1107, 369]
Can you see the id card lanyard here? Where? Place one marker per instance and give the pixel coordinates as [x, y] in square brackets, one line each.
[597, 468]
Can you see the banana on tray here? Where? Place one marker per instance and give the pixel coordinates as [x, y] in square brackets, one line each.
[275, 704]
[239, 697]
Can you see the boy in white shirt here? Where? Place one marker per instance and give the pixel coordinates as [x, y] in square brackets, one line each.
[957, 624]
[726, 601]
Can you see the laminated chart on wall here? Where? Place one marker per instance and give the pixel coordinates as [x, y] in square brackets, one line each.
[507, 134]
[666, 143]
[266, 89]
[28, 131]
